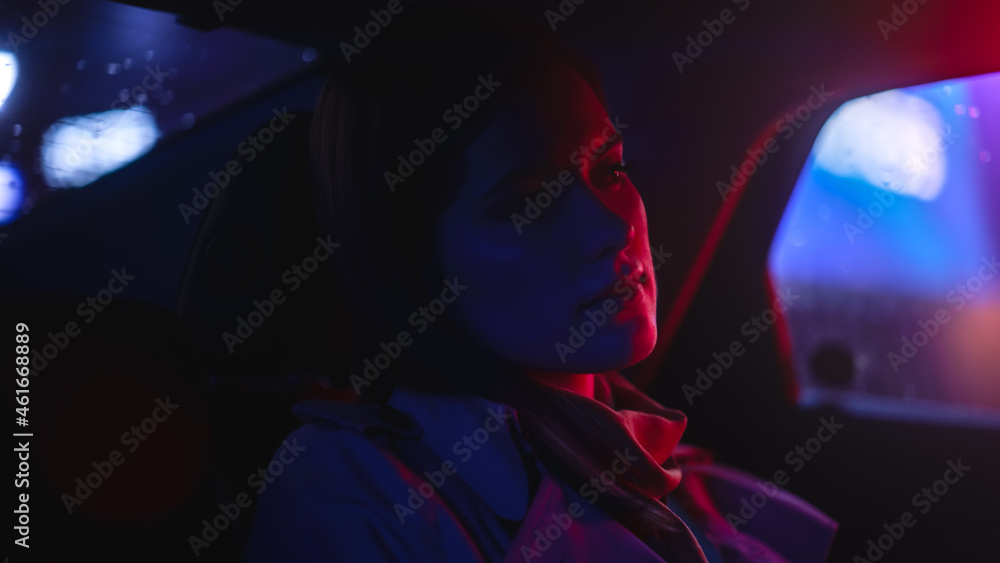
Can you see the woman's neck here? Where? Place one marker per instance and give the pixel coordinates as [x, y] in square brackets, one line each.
[579, 383]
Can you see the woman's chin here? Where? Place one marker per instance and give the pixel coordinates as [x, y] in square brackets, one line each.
[645, 342]
[613, 350]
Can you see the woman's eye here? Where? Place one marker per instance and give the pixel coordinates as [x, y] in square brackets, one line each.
[610, 177]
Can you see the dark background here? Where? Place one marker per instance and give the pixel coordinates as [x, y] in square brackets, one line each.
[160, 337]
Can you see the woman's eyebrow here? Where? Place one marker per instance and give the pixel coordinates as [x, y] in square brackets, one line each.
[585, 158]
[606, 148]
[533, 170]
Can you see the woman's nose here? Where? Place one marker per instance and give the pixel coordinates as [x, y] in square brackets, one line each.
[626, 265]
[604, 232]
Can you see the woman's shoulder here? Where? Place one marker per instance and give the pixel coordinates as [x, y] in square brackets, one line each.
[335, 488]
[342, 449]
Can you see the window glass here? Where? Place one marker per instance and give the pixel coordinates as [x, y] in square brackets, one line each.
[98, 84]
[892, 237]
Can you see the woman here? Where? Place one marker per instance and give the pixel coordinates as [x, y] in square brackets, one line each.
[496, 270]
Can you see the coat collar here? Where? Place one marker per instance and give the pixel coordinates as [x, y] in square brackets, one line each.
[478, 435]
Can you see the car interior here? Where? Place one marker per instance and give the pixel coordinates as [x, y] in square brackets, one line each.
[822, 177]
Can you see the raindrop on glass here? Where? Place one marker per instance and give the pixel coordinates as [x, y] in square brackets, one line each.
[798, 236]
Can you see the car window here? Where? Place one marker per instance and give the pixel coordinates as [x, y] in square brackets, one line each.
[892, 238]
[96, 85]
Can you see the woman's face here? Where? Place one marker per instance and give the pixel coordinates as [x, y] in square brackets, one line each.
[562, 282]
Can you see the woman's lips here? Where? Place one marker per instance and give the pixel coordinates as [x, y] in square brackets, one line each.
[616, 290]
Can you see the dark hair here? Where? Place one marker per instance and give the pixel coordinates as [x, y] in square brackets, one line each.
[370, 112]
